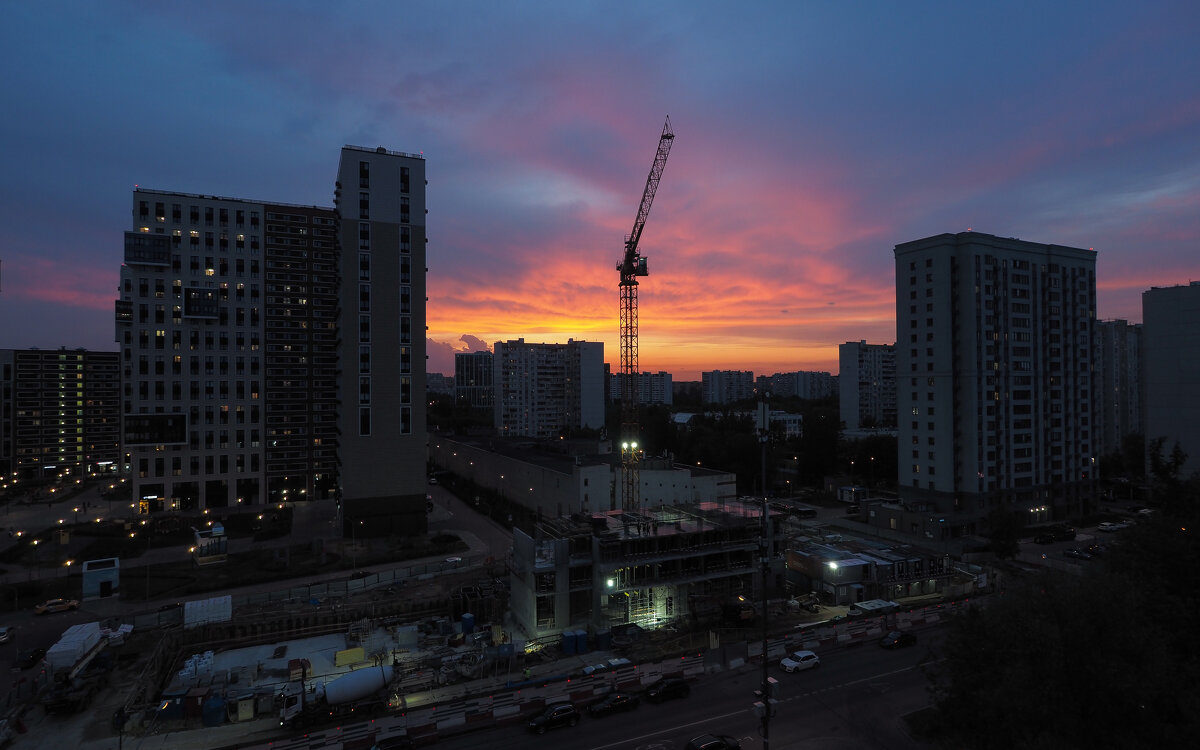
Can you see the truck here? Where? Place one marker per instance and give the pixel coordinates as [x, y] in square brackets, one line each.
[357, 693]
[79, 665]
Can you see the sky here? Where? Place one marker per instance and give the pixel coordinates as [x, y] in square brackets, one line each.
[811, 139]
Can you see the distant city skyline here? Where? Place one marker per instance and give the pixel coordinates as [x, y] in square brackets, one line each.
[811, 140]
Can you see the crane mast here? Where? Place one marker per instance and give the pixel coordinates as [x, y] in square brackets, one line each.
[631, 267]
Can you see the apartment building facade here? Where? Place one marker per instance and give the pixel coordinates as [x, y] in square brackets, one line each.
[267, 349]
[1171, 369]
[806, 384]
[652, 387]
[547, 390]
[59, 414]
[1118, 381]
[727, 386]
[867, 384]
[473, 373]
[994, 359]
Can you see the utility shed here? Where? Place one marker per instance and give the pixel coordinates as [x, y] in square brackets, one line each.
[101, 578]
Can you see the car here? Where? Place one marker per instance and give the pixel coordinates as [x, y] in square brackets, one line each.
[1062, 533]
[611, 664]
[453, 561]
[898, 639]
[1044, 539]
[1078, 554]
[798, 661]
[613, 703]
[30, 657]
[555, 715]
[1097, 550]
[6, 633]
[668, 689]
[1109, 527]
[56, 605]
[713, 742]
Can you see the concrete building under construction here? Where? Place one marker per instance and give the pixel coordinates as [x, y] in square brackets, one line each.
[663, 565]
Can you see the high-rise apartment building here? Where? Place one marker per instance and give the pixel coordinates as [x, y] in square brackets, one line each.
[473, 372]
[800, 384]
[1118, 382]
[867, 384]
[59, 414]
[1171, 369]
[380, 201]
[727, 386]
[548, 390]
[268, 349]
[994, 359]
[652, 387]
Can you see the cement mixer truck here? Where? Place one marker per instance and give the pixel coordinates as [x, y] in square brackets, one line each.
[354, 694]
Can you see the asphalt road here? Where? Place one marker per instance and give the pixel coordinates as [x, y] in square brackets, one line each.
[854, 700]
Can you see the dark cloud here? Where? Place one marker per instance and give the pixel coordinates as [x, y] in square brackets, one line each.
[800, 160]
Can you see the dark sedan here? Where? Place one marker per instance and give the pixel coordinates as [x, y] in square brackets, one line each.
[613, 704]
[898, 639]
[667, 689]
[558, 715]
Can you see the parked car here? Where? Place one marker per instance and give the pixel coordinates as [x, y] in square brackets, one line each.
[1110, 526]
[557, 715]
[667, 689]
[898, 639]
[611, 664]
[800, 660]
[713, 742]
[56, 605]
[1097, 550]
[6, 632]
[1078, 554]
[1044, 539]
[613, 703]
[30, 657]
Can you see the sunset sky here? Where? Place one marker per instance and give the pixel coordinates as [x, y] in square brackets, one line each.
[811, 138]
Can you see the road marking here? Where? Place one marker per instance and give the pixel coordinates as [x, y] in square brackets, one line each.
[671, 729]
[852, 682]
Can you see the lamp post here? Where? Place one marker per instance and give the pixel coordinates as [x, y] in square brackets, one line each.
[872, 472]
[764, 556]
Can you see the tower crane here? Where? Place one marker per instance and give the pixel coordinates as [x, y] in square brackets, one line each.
[631, 267]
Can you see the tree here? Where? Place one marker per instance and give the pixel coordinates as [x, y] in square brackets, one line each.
[1102, 660]
[1005, 533]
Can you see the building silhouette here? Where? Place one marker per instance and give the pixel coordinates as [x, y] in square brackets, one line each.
[867, 384]
[727, 386]
[1118, 382]
[994, 359]
[1171, 370]
[59, 414]
[473, 373]
[268, 350]
[548, 390]
[652, 387]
